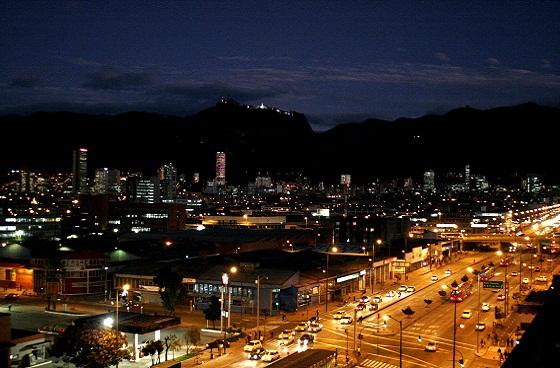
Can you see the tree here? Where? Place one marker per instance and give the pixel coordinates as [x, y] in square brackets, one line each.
[442, 293]
[465, 278]
[454, 284]
[171, 342]
[90, 347]
[408, 311]
[212, 313]
[491, 264]
[192, 337]
[428, 302]
[159, 349]
[149, 349]
[171, 289]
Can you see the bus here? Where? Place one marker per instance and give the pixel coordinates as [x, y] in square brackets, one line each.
[461, 292]
[487, 274]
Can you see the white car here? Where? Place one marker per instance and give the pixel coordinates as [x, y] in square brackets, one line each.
[485, 307]
[339, 314]
[514, 273]
[467, 313]
[377, 299]
[364, 299]
[302, 326]
[525, 280]
[390, 294]
[286, 333]
[252, 345]
[448, 272]
[434, 278]
[431, 346]
[410, 289]
[402, 288]
[480, 326]
[286, 340]
[542, 278]
[346, 320]
[270, 356]
[315, 327]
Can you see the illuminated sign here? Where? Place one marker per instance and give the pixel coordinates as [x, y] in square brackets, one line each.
[347, 277]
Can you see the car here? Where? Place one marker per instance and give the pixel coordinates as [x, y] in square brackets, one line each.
[251, 345]
[485, 307]
[480, 326]
[537, 268]
[270, 356]
[314, 319]
[434, 278]
[448, 272]
[364, 299]
[402, 288]
[467, 313]
[218, 344]
[501, 297]
[360, 306]
[531, 267]
[431, 346]
[514, 273]
[286, 340]
[256, 353]
[410, 289]
[390, 294]
[339, 314]
[346, 320]
[11, 296]
[373, 307]
[542, 278]
[286, 333]
[302, 326]
[315, 327]
[306, 339]
[377, 299]
[525, 280]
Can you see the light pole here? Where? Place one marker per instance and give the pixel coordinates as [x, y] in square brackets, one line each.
[386, 318]
[225, 279]
[125, 292]
[258, 282]
[378, 242]
[506, 289]
[106, 268]
[233, 270]
[404, 258]
[471, 270]
[454, 330]
[334, 250]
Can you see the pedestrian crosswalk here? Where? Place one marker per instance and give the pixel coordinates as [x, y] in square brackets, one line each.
[370, 363]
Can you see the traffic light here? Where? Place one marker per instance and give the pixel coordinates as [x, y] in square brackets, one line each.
[461, 363]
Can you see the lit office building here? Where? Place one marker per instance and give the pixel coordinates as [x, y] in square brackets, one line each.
[467, 176]
[147, 190]
[168, 180]
[107, 181]
[220, 168]
[79, 171]
[429, 181]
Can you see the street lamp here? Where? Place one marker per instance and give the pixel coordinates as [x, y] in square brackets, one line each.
[506, 289]
[106, 269]
[233, 270]
[386, 318]
[125, 288]
[404, 258]
[225, 280]
[334, 250]
[378, 242]
[471, 270]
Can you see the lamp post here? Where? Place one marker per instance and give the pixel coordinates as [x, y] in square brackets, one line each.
[378, 242]
[471, 270]
[125, 288]
[106, 269]
[506, 289]
[454, 330]
[386, 318]
[233, 270]
[258, 282]
[225, 279]
[334, 250]
[404, 258]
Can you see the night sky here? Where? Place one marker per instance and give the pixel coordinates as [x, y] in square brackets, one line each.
[333, 61]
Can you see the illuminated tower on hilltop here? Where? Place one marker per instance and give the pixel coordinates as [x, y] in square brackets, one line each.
[79, 171]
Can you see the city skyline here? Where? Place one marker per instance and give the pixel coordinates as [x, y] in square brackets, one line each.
[335, 63]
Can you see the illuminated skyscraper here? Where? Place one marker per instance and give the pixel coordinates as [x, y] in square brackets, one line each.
[79, 171]
[467, 176]
[429, 181]
[220, 168]
[168, 181]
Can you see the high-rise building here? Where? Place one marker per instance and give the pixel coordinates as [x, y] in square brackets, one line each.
[467, 176]
[107, 181]
[220, 168]
[79, 171]
[429, 181]
[196, 178]
[26, 181]
[168, 181]
[346, 179]
[147, 190]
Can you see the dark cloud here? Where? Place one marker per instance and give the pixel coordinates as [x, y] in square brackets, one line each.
[213, 91]
[27, 81]
[110, 79]
[493, 61]
[442, 56]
